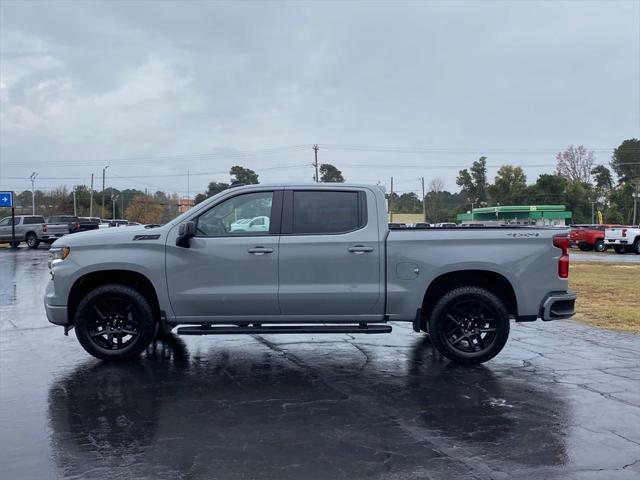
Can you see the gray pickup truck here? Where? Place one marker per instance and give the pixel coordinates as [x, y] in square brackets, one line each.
[30, 229]
[325, 262]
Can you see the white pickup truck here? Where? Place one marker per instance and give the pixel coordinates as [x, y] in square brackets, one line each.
[328, 263]
[623, 239]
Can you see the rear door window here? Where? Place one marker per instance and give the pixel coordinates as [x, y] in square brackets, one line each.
[326, 212]
[33, 220]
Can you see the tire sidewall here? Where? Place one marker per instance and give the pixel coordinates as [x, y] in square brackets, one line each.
[599, 246]
[456, 295]
[143, 309]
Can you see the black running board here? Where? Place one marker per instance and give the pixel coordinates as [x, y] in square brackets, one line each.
[274, 329]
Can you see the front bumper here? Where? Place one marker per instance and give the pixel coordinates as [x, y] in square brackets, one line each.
[56, 314]
[558, 305]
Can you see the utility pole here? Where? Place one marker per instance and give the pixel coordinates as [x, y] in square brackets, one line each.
[593, 213]
[91, 198]
[188, 187]
[391, 202]
[33, 193]
[122, 203]
[103, 176]
[75, 210]
[635, 203]
[315, 163]
[424, 201]
[472, 203]
[114, 199]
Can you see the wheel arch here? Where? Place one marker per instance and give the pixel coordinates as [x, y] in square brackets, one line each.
[492, 281]
[130, 278]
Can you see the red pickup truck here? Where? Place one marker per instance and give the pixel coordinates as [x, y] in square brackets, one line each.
[589, 237]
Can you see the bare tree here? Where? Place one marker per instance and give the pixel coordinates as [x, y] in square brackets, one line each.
[575, 164]
[436, 185]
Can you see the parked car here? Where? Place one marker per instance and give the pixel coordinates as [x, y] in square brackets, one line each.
[72, 223]
[395, 225]
[254, 224]
[28, 228]
[328, 264]
[589, 237]
[446, 225]
[421, 225]
[623, 239]
[118, 222]
[88, 223]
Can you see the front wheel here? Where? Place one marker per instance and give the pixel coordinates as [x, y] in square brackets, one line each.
[115, 322]
[636, 246]
[469, 325]
[584, 247]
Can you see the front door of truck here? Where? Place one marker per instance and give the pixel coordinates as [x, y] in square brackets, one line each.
[229, 271]
[330, 256]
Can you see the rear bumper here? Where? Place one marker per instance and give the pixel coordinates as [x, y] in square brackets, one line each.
[616, 241]
[558, 305]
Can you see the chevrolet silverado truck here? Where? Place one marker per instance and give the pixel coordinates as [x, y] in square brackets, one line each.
[327, 264]
[30, 229]
[624, 239]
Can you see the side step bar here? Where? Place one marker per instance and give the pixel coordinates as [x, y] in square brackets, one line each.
[273, 329]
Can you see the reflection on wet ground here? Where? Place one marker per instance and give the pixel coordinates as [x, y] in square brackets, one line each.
[562, 401]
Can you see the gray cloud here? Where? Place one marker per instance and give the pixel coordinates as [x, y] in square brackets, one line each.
[90, 82]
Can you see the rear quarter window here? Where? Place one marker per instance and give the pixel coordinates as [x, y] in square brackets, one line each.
[33, 220]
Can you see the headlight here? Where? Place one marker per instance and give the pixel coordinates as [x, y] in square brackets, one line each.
[57, 255]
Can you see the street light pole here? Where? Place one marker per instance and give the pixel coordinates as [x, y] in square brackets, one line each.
[103, 177]
[33, 193]
[91, 198]
[75, 210]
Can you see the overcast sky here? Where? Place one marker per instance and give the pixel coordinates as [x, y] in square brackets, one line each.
[161, 88]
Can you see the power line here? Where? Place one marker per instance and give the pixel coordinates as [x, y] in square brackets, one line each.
[150, 159]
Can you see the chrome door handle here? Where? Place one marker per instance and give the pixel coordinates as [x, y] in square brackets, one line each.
[360, 249]
[260, 250]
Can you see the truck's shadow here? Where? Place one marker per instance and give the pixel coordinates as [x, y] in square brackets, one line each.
[242, 413]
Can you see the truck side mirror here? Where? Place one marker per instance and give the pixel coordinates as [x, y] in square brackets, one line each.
[186, 231]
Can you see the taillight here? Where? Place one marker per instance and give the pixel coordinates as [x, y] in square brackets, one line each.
[624, 232]
[77, 226]
[44, 227]
[562, 242]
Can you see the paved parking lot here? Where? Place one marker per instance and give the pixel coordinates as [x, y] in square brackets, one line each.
[561, 401]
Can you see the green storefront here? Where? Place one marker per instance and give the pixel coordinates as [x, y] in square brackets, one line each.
[523, 214]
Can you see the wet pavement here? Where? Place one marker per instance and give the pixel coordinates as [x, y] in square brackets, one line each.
[561, 401]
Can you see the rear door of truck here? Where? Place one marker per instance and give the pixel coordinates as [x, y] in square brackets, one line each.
[329, 266]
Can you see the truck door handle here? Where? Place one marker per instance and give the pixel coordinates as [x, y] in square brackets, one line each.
[360, 249]
[260, 250]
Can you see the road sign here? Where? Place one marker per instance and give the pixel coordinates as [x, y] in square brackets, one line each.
[6, 199]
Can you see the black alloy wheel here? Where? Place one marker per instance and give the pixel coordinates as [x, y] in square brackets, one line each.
[469, 325]
[115, 322]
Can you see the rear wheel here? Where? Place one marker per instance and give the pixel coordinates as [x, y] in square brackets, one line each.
[14, 244]
[599, 246]
[115, 322]
[32, 240]
[469, 325]
[584, 247]
[620, 249]
[636, 246]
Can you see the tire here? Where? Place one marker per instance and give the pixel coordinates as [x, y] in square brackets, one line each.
[620, 249]
[636, 246]
[32, 240]
[14, 244]
[115, 322]
[599, 246]
[585, 247]
[456, 325]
